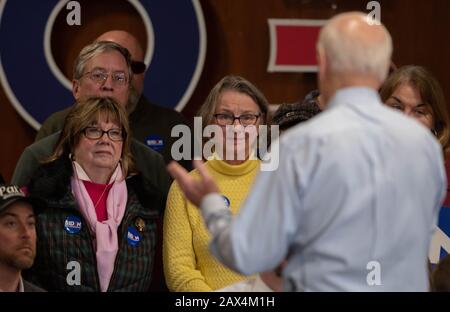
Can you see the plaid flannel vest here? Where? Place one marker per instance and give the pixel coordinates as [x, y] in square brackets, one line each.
[56, 249]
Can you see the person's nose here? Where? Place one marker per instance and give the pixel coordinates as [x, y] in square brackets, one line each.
[104, 138]
[408, 112]
[237, 125]
[26, 230]
[108, 84]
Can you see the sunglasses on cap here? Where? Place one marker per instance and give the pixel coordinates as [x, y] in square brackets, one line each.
[138, 67]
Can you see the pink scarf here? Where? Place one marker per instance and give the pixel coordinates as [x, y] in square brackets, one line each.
[105, 233]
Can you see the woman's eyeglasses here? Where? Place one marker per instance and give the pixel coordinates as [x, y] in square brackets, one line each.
[228, 119]
[95, 133]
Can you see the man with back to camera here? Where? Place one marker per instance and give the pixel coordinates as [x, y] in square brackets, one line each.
[17, 239]
[150, 124]
[355, 199]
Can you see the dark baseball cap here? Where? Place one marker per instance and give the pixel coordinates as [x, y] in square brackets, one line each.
[10, 194]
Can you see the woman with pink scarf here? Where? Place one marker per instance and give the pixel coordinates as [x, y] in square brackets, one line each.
[99, 229]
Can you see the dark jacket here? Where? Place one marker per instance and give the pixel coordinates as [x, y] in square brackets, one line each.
[56, 247]
[146, 121]
[28, 287]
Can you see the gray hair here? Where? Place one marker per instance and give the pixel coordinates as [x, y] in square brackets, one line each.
[96, 48]
[233, 83]
[348, 53]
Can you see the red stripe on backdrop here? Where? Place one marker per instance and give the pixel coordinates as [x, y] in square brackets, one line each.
[296, 45]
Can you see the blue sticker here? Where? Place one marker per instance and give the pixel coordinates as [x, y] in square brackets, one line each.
[133, 236]
[226, 200]
[155, 142]
[72, 224]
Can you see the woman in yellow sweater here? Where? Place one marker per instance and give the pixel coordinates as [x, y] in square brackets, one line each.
[235, 105]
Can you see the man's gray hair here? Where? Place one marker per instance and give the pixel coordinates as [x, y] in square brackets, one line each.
[351, 53]
[95, 49]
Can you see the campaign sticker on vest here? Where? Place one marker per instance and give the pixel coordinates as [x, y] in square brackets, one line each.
[72, 224]
[133, 236]
[155, 142]
[226, 201]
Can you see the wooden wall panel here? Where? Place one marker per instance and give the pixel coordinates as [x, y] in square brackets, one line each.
[238, 43]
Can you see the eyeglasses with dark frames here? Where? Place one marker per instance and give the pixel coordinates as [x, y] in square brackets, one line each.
[224, 119]
[95, 133]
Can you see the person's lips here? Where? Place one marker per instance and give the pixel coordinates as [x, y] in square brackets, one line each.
[108, 153]
[236, 138]
[27, 248]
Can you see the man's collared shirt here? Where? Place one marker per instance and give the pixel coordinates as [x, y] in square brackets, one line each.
[352, 205]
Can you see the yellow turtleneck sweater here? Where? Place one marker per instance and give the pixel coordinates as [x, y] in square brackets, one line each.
[188, 264]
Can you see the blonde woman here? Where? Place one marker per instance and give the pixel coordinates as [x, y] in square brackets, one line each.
[234, 105]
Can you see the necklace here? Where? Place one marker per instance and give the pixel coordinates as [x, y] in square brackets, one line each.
[101, 196]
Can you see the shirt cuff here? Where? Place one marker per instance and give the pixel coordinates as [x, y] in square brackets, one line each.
[212, 204]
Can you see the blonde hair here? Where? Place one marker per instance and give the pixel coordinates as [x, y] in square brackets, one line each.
[85, 113]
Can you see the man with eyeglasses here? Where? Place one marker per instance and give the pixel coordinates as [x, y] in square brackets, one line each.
[103, 69]
[150, 124]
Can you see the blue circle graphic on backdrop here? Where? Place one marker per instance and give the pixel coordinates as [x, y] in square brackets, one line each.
[36, 88]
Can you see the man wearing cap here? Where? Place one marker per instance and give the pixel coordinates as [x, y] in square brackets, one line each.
[17, 239]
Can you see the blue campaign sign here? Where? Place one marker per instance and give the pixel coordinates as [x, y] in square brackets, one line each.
[175, 54]
[444, 226]
[440, 241]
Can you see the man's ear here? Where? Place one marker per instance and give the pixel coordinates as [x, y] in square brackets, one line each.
[76, 88]
[322, 62]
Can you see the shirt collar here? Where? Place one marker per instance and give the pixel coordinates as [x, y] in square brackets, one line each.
[82, 175]
[20, 287]
[361, 95]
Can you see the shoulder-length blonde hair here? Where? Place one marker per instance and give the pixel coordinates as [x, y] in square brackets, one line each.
[431, 94]
[85, 113]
